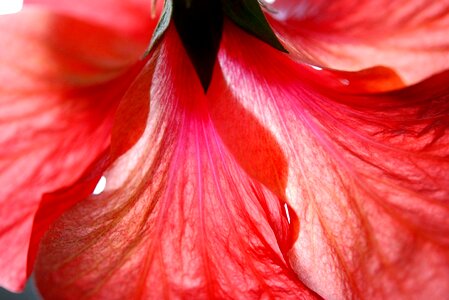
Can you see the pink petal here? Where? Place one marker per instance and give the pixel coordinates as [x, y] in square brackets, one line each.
[410, 36]
[178, 219]
[368, 176]
[62, 80]
[131, 17]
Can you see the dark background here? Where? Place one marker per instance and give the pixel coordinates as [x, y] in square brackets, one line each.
[30, 293]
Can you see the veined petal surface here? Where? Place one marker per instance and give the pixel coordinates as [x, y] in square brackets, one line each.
[368, 174]
[178, 218]
[62, 80]
[409, 36]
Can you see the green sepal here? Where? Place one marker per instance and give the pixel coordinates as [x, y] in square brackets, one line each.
[162, 26]
[199, 24]
[248, 15]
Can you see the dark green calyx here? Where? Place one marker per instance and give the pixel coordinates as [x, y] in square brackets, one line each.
[162, 26]
[200, 25]
[249, 16]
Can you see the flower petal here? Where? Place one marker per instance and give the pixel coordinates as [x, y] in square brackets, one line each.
[62, 81]
[368, 175]
[132, 112]
[132, 17]
[178, 219]
[412, 37]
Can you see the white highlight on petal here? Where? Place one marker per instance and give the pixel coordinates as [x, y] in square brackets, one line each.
[317, 68]
[101, 185]
[345, 81]
[10, 6]
[269, 1]
[287, 212]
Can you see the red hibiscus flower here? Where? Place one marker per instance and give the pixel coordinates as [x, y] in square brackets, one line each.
[233, 169]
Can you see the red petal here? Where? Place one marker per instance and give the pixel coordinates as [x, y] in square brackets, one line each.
[54, 204]
[368, 176]
[254, 147]
[411, 36]
[131, 113]
[57, 102]
[131, 17]
[178, 219]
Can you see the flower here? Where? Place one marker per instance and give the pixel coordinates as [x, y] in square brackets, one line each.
[286, 179]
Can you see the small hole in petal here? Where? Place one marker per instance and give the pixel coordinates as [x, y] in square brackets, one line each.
[287, 213]
[101, 185]
[10, 6]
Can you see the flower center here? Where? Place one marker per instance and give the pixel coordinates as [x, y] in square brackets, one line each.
[200, 25]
